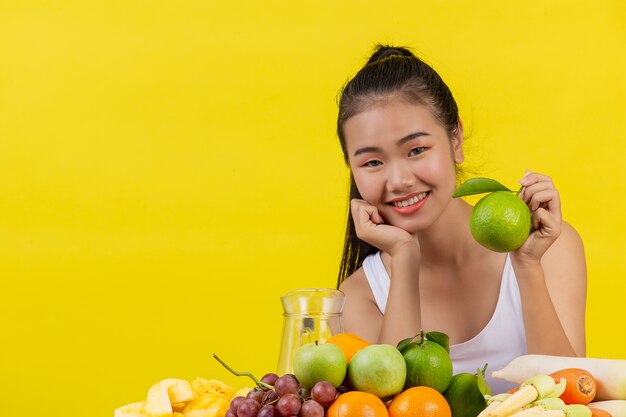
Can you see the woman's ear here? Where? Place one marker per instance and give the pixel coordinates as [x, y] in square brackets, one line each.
[457, 144]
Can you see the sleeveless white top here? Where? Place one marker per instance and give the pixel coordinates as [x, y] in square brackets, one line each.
[501, 340]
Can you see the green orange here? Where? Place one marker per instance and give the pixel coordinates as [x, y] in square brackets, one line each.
[500, 221]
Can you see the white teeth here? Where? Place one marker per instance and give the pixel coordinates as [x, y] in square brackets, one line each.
[410, 201]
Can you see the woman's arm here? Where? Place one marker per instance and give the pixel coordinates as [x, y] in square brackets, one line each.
[566, 278]
[402, 317]
[551, 274]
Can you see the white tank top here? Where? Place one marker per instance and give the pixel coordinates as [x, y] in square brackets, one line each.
[501, 340]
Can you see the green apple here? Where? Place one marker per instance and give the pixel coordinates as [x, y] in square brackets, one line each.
[313, 363]
[378, 369]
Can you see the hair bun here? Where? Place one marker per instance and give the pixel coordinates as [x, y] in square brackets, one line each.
[383, 51]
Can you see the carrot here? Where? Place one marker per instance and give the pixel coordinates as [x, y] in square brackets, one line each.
[610, 374]
[616, 408]
[580, 388]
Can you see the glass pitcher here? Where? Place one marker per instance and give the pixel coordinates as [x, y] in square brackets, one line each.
[310, 314]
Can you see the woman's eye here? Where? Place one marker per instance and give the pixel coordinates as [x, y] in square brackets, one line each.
[416, 151]
[372, 163]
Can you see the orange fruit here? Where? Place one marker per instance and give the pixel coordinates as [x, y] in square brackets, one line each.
[500, 221]
[419, 402]
[349, 343]
[357, 404]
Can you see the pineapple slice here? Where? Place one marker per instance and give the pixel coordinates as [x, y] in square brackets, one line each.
[132, 410]
[163, 394]
[208, 412]
[202, 387]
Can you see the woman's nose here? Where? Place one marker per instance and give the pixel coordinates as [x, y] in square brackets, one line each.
[401, 178]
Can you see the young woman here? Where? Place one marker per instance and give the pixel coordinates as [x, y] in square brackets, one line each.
[410, 261]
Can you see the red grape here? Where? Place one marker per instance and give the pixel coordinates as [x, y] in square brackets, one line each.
[231, 413]
[256, 394]
[248, 408]
[312, 408]
[234, 403]
[268, 411]
[286, 384]
[324, 393]
[270, 378]
[288, 405]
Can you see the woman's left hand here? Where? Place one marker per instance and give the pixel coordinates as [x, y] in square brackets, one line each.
[543, 200]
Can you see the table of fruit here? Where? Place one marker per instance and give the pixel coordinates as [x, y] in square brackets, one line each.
[348, 377]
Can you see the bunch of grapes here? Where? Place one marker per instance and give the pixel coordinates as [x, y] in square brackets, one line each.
[286, 398]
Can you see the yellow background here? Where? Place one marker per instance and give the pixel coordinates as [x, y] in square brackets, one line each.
[168, 169]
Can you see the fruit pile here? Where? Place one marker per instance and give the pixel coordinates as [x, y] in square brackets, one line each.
[349, 377]
[414, 379]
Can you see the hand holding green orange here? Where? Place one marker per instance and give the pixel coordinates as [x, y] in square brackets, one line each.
[505, 221]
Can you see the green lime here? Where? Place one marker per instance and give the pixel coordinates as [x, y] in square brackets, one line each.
[500, 221]
[427, 364]
[464, 397]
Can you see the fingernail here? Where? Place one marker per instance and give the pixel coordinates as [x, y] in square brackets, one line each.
[528, 171]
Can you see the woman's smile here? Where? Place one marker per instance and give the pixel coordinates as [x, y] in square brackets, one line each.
[410, 204]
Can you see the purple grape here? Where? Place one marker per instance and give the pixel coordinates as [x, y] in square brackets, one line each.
[269, 397]
[268, 411]
[324, 393]
[286, 384]
[312, 408]
[256, 394]
[270, 378]
[231, 413]
[288, 405]
[248, 408]
[234, 403]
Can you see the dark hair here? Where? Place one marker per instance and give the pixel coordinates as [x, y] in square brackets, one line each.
[390, 71]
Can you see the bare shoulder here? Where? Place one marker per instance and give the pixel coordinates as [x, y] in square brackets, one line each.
[567, 252]
[357, 285]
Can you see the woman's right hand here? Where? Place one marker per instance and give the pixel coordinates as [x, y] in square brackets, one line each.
[371, 228]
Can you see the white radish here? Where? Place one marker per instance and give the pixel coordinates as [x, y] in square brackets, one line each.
[610, 374]
[616, 408]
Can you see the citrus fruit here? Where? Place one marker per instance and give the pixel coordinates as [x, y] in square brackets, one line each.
[357, 404]
[464, 397]
[421, 402]
[349, 343]
[427, 364]
[500, 221]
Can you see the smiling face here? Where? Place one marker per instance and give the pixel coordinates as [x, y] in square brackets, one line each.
[403, 162]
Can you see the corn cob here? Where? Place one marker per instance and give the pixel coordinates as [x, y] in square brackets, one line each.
[537, 387]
